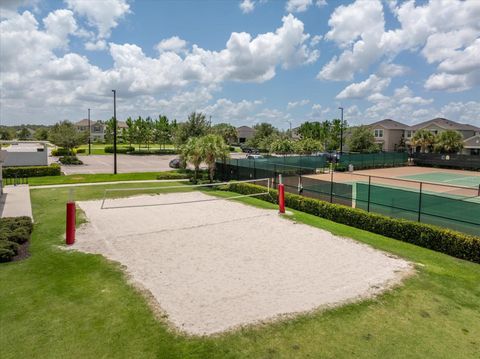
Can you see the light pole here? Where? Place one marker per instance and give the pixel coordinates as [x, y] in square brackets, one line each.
[341, 131]
[114, 132]
[89, 134]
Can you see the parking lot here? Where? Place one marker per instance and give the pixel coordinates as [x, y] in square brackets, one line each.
[125, 164]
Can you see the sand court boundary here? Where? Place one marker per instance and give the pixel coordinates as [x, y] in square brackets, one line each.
[214, 266]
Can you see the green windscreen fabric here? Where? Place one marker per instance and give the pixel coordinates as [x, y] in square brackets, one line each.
[373, 160]
[458, 214]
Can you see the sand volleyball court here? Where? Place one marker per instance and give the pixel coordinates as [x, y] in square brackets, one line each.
[215, 265]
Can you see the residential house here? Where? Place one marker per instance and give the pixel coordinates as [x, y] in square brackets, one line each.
[388, 134]
[244, 133]
[392, 135]
[97, 129]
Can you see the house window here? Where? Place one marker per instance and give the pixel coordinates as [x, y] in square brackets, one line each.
[434, 131]
[408, 134]
[378, 133]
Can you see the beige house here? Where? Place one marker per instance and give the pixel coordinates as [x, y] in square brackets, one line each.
[392, 134]
[97, 128]
[388, 134]
[244, 133]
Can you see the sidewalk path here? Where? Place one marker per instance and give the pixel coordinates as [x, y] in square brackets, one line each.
[15, 202]
[104, 183]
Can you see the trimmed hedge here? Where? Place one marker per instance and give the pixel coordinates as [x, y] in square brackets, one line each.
[450, 242]
[31, 171]
[120, 149]
[60, 151]
[167, 151]
[13, 232]
[70, 160]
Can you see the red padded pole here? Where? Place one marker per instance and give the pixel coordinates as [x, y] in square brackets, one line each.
[70, 233]
[281, 198]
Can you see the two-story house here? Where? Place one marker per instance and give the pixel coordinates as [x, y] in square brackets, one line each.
[97, 128]
[391, 135]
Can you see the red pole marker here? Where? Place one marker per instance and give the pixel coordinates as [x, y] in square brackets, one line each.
[281, 198]
[70, 234]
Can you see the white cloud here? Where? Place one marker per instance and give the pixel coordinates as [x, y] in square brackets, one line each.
[174, 44]
[103, 15]
[299, 103]
[315, 40]
[238, 113]
[96, 45]
[446, 31]
[247, 6]
[302, 5]
[365, 88]
[357, 28]
[392, 70]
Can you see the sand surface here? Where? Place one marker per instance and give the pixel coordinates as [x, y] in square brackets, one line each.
[213, 266]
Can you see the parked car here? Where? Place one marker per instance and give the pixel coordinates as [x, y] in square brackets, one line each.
[254, 156]
[175, 163]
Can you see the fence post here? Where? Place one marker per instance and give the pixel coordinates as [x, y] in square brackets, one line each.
[331, 185]
[238, 171]
[478, 191]
[368, 198]
[254, 170]
[420, 202]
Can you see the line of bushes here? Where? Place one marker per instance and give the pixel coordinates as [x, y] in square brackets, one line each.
[450, 242]
[120, 149]
[14, 231]
[166, 151]
[70, 160]
[31, 171]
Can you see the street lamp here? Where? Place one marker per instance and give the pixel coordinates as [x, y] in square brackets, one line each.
[114, 131]
[89, 134]
[341, 131]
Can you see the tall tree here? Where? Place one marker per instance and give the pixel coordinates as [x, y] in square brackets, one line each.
[307, 146]
[195, 126]
[423, 138]
[5, 134]
[362, 140]
[448, 142]
[213, 148]
[65, 134]
[282, 146]
[162, 131]
[23, 134]
[41, 134]
[192, 152]
[226, 131]
[109, 127]
[265, 134]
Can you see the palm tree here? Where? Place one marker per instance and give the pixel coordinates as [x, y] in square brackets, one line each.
[213, 148]
[192, 152]
[448, 142]
[424, 139]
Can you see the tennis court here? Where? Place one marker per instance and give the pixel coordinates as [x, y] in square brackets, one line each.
[446, 177]
[213, 264]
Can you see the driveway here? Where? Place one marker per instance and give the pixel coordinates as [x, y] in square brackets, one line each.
[125, 164]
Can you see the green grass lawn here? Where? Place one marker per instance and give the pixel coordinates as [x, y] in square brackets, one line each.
[99, 148]
[60, 304]
[101, 177]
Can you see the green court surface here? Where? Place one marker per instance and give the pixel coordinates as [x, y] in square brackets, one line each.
[446, 178]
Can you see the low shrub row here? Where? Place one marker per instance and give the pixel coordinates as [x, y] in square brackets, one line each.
[31, 171]
[167, 151]
[120, 149]
[183, 174]
[450, 242]
[14, 231]
[60, 151]
[70, 160]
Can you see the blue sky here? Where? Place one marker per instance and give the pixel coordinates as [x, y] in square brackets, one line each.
[241, 62]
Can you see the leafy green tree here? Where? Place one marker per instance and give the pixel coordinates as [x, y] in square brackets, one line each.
[65, 134]
[282, 146]
[213, 148]
[192, 152]
[265, 134]
[195, 126]
[307, 146]
[129, 133]
[41, 134]
[149, 132]
[109, 127]
[162, 131]
[226, 131]
[312, 130]
[5, 134]
[448, 142]
[23, 134]
[362, 140]
[423, 138]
